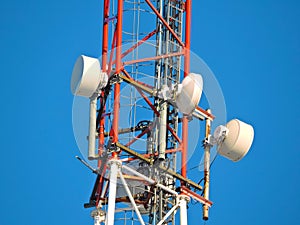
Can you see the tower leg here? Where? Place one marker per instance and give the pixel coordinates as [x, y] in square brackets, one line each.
[114, 169]
[183, 200]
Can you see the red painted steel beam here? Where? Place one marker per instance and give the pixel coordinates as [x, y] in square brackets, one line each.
[174, 134]
[153, 58]
[115, 124]
[196, 196]
[186, 72]
[119, 37]
[105, 34]
[164, 22]
[207, 114]
[104, 63]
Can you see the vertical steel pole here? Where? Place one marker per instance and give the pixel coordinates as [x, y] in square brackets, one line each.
[114, 169]
[183, 210]
[92, 128]
[206, 167]
[162, 131]
[186, 72]
[104, 68]
[105, 34]
[97, 220]
[118, 70]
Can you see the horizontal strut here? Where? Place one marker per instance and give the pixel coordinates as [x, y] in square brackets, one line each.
[153, 58]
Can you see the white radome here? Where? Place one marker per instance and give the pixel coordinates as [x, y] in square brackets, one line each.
[87, 77]
[238, 140]
[189, 96]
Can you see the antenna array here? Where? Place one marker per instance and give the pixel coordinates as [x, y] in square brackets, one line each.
[142, 97]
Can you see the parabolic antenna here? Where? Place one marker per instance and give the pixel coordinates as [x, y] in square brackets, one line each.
[238, 140]
[189, 95]
[87, 77]
[87, 81]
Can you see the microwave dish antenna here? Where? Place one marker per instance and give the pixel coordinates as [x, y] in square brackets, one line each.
[87, 77]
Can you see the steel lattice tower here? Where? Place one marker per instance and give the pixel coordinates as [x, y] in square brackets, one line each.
[142, 99]
[144, 44]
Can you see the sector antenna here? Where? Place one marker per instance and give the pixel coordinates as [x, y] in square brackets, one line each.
[141, 97]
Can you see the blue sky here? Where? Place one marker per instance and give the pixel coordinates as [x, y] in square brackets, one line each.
[253, 48]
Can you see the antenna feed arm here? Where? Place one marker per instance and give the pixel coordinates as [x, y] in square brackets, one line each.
[217, 138]
[220, 134]
[209, 141]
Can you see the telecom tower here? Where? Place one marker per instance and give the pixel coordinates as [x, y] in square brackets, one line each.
[142, 96]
